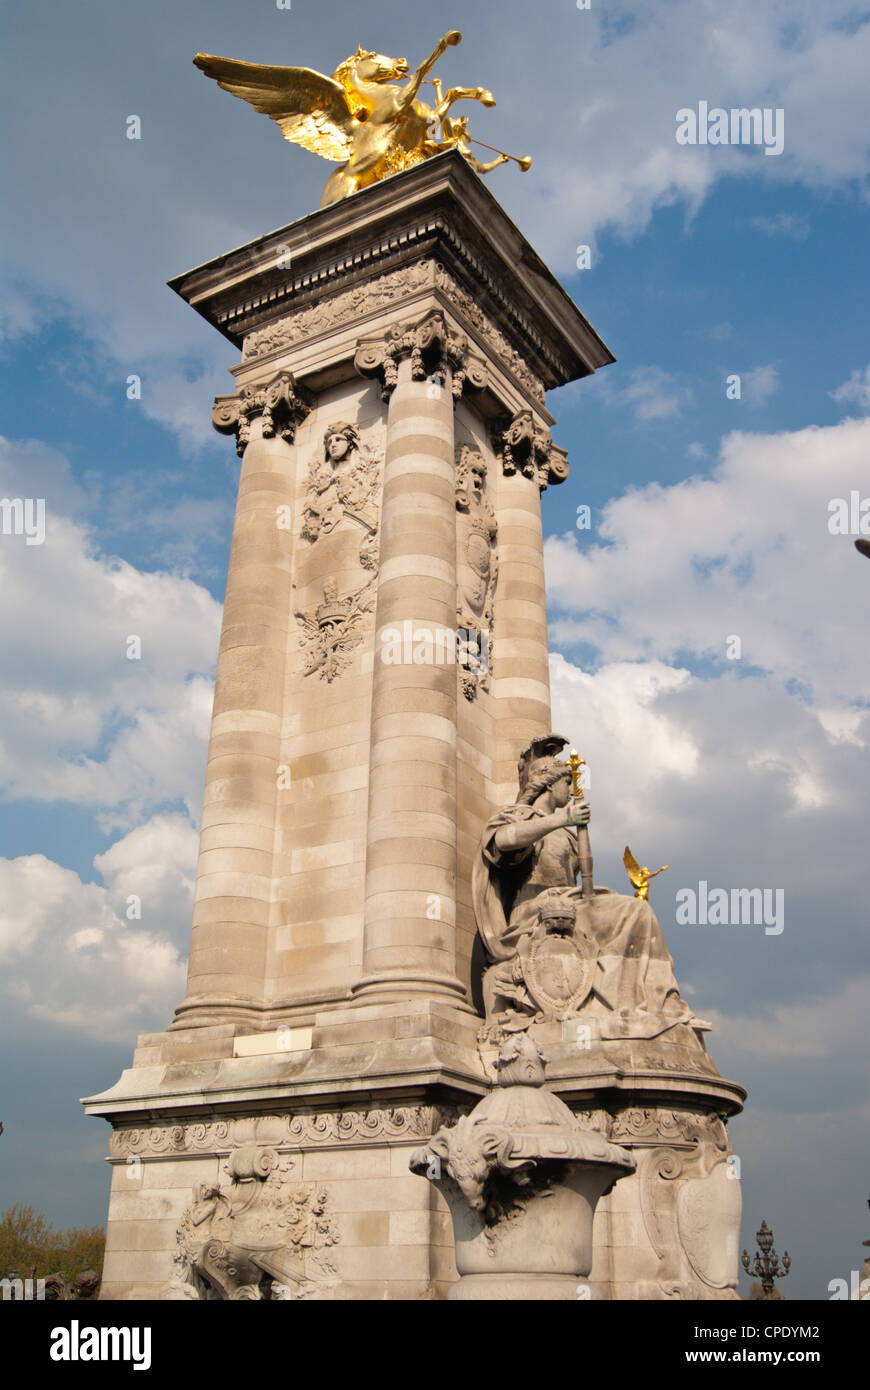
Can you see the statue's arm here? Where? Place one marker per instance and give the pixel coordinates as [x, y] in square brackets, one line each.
[518, 836]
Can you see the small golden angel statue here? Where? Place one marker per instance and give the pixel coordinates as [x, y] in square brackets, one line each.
[359, 117]
[640, 877]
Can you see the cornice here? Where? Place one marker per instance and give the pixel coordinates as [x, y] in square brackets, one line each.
[438, 209]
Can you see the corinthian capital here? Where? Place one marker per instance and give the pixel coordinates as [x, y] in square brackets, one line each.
[527, 447]
[282, 402]
[432, 345]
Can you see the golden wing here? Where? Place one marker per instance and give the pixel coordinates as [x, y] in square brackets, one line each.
[311, 109]
[632, 867]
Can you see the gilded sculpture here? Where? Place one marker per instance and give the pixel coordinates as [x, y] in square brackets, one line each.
[639, 877]
[360, 117]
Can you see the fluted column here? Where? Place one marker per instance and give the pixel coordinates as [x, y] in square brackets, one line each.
[410, 903]
[227, 967]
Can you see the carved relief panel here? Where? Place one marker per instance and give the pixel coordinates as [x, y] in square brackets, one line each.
[690, 1200]
[477, 571]
[339, 534]
[258, 1236]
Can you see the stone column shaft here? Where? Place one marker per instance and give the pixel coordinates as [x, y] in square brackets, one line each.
[410, 907]
[226, 972]
[522, 677]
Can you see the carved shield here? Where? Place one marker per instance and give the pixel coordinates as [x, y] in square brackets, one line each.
[708, 1218]
[558, 973]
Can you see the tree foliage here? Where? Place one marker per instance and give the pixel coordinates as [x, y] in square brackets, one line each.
[27, 1240]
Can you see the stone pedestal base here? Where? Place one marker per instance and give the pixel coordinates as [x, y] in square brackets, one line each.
[333, 1113]
[523, 1287]
[671, 1229]
[292, 1146]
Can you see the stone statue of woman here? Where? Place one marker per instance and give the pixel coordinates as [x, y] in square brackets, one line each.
[554, 955]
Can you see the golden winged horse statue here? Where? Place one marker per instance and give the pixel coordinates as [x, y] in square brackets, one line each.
[360, 117]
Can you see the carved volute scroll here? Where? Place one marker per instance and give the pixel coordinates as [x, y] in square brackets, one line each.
[433, 346]
[282, 402]
[527, 447]
[496, 341]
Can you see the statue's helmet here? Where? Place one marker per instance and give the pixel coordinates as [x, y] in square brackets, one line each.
[538, 767]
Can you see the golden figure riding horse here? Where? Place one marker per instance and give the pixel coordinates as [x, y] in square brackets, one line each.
[359, 116]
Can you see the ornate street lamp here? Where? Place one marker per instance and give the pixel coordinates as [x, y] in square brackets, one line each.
[766, 1264]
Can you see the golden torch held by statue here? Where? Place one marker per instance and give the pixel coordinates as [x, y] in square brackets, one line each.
[576, 763]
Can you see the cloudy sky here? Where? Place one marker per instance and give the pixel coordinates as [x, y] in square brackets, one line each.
[708, 629]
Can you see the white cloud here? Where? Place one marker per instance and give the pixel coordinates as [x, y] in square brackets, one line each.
[759, 384]
[744, 552]
[718, 332]
[78, 720]
[856, 389]
[842, 725]
[157, 862]
[629, 744]
[624, 162]
[791, 225]
[833, 1024]
[651, 394]
[69, 953]
[745, 773]
[736, 783]
[23, 315]
[183, 403]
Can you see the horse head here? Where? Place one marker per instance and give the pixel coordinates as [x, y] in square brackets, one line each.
[366, 66]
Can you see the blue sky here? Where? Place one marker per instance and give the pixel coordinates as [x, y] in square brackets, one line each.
[709, 519]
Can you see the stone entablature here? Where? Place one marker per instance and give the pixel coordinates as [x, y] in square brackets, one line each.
[380, 292]
[445, 219]
[296, 293]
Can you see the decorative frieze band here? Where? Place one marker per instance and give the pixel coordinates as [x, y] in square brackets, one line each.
[653, 1125]
[386, 288]
[304, 1129]
[307, 1129]
[373, 294]
[282, 402]
[490, 334]
[379, 293]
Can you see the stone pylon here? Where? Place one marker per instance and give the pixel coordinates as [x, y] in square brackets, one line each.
[383, 659]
